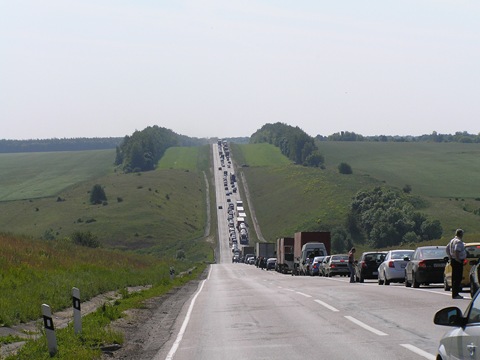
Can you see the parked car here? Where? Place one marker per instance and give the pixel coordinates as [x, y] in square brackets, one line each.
[271, 262]
[367, 265]
[315, 266]
[426, 266]
[462, 341]
[392, 269]
[323, 265]
[473, 254]
[337, 265]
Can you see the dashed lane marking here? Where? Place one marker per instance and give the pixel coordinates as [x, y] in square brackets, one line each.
[418, 351]
[330, 307]
[365, 326]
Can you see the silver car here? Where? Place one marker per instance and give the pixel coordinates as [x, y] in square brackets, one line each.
[392, 269]
[463, 340]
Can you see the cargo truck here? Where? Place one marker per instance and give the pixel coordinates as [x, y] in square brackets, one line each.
[265, 250]
[302, 238]
[284, 255]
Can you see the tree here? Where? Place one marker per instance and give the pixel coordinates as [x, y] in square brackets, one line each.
[344, 168]
[97, 195]
[85, 239]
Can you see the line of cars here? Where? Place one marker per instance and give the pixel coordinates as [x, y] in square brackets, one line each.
[423, 266]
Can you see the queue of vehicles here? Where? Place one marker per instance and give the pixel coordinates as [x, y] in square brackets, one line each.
[309, 254]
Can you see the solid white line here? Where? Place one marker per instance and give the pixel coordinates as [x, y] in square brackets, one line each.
[303, 294]
[365, 326]
[330, 307]
[418, 351]
[177, 342]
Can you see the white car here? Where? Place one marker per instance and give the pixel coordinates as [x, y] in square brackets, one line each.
[392, 269]
[463, 340]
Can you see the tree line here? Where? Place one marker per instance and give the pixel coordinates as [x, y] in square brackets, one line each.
[65, 144]
[293, 142]
[143, 149]
[459, 136]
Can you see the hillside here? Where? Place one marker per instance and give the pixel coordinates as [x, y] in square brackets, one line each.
[159, 211]
[289, 198]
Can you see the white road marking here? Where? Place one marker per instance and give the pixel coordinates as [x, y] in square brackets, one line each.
[365, 326]
[177, 342]
[418, 351]
[303, 294]
[330, 307]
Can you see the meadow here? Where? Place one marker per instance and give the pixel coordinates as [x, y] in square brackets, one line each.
[158, 212]
[290, 198]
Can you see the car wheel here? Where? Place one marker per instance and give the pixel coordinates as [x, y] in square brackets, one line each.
[387, 282]
[407, 284]
[380, 281]
[415, 283]
[445, 284]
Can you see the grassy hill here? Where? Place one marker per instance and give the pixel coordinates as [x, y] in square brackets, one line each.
[289, 198]
[160, 212]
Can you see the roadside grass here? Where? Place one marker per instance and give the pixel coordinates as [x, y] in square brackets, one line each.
[96, 330]
[34, 272]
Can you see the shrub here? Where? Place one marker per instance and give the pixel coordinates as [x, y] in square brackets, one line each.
[85, 239]
[97, 195]
[344, 168]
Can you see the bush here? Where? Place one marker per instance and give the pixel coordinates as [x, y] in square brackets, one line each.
[85, 239]
[97, 195]
[344, 168]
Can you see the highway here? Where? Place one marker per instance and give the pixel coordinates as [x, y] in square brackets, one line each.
[242, 312]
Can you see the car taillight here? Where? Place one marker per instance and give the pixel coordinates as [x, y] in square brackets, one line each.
[422, 264]
[332, 265]
[465, 261]
[315, 266]
[391, 264]
[364, 264]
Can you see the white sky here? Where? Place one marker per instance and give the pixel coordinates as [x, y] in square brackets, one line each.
[225, 68]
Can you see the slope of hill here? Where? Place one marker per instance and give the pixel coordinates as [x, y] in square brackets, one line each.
[159, 211]
[289, 198]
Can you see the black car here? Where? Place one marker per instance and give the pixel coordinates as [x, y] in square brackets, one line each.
[367, 266]
[426, 266]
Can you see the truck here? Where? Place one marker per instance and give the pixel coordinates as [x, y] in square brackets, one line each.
[302, 238]
[284, 248]
[248, 251]
[265, 250]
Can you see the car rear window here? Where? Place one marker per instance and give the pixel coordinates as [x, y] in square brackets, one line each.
[433, 253]
[473, 251]
[401, 254]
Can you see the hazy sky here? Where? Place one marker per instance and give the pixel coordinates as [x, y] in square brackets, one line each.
[225, 68]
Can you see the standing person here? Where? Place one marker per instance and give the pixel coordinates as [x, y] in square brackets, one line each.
[457, 254]
[351, 262]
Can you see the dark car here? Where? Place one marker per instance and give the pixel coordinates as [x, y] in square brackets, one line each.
[337, 265]
[474, 279]
[426, 266]
[367, 266]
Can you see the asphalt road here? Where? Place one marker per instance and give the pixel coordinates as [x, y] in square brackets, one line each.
[242, 312]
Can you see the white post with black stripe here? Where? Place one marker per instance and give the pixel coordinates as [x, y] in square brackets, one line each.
[77, 313]
[49, 329]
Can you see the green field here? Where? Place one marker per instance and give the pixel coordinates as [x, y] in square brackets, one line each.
[37, 175]
[290, 198]
[159, 211]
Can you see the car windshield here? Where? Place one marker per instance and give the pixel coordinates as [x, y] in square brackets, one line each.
[401, 254]
[433, 253]
[473, 251]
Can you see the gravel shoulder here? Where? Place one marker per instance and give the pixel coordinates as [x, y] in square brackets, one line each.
[148, 329]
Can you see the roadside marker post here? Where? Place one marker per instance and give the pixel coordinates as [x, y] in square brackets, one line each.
[49, 329]
[77, 313]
